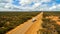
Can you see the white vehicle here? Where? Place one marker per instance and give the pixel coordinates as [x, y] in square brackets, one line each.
[34, 19]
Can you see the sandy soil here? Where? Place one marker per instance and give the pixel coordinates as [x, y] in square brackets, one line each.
[55, 18]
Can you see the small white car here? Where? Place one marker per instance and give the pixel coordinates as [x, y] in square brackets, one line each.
[34, 19]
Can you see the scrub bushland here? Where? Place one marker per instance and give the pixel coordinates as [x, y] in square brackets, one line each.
[9, 20]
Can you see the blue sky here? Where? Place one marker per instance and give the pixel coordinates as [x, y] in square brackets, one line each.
[29, 5]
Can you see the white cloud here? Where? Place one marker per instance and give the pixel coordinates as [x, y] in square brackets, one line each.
[7, 5]
[45, 0]
[9, 1]
[23, 2]
[58, 5]
[37, 6]
[53, 7]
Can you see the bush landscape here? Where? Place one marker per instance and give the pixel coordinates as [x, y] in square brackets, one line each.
[51, 23]
[9, 20]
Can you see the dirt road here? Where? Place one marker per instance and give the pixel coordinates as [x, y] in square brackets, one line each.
[36, 26]
[28, 27]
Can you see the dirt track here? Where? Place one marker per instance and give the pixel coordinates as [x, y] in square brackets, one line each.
[28, 27]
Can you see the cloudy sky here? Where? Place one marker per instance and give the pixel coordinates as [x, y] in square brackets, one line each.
[29, 5]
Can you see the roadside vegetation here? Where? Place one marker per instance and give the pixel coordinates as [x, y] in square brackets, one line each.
[49, 25]
[9, 20]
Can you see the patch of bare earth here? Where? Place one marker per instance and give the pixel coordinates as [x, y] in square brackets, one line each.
[55, 18]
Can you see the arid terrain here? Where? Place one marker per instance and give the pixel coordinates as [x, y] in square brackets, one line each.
[28, 27]
[51, 23]
[55, 18]
[10, 20]
[30, 23]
